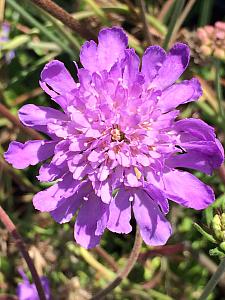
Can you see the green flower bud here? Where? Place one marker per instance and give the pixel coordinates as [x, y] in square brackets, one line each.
[217, 227]
[222, 246]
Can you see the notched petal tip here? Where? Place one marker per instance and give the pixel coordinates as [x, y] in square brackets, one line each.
[181, 49]
[53, 64]
[115, 33]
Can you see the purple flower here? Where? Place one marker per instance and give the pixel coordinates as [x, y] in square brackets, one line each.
[116, 144]
[28, 291]
[4, 37]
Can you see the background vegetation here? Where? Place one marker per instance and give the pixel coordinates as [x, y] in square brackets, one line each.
[179, 270]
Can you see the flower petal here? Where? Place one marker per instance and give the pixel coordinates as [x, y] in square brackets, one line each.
[56, 76]
[91, 222]
[50, 199]
[49, 172]
[204, 162]
[88, 56]
[158, 196]
[197, 128]
[155, 229]
[180, 93]
[38, 117]
[120, 213]
[31, 153]
[67, 207]
[187, 190]
[152, 61]
[173, 66]
[111, 45]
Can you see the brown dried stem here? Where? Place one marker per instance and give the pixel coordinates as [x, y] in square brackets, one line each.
[62, 15]
[125, 272]
[145, 22]
[21, 246]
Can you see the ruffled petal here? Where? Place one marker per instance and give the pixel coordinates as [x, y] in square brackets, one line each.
[196, 160]
[88, 56]
[56, 80]
[197, 128]
[91, 222]
[38, 117]
[152, 61]
[173, 66]
[120, 213]
[131, 67]
[187, 190]
[50, 199]
[154, 228]
[180, 93]
[158, 196]
[31, 153]
[111, 45]
[67, 207]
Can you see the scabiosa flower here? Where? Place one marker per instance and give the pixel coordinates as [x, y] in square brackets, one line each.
[4, 37]
[116, 145]
[28, 291]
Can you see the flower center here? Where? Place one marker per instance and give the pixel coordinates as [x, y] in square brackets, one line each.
[116, 134]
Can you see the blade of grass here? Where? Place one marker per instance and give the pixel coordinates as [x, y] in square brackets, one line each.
[144, 21]
[218, 89]
[33, 22]
[177, 10]
[59, 13]
[98, 11]
[205, 12]
[182, 18]
[59, 26]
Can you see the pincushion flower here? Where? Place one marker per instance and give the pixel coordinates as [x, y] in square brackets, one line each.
[28, 291]
[115, 145]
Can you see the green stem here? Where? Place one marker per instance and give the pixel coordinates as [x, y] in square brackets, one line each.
[177, 10]
[218, 89]
[125, 272]
[213, 281]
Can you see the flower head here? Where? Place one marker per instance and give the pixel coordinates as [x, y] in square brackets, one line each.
[28, 291]
[116, 145]
[4, 37]
[212, 40]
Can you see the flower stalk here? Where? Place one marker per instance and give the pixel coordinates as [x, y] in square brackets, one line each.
[213, 281]
[129, 266]
[62, 15]
[21, 246]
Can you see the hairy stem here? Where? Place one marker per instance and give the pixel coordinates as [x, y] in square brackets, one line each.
[21, 246]
[125, 272]
[213, 281]
[62, 15]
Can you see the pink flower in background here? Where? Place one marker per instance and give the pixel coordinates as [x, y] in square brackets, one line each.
[115, 145]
